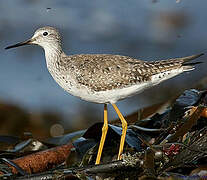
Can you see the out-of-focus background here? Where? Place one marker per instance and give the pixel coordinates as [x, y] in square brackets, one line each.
[144, 29]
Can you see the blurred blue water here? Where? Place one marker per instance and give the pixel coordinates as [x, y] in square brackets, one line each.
[135, 28]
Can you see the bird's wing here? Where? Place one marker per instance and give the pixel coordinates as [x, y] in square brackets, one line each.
[106, 72]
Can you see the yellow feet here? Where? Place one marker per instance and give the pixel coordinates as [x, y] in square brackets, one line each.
[124, 129]
[103, 136]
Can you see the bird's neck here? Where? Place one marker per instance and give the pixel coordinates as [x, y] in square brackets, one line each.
[53, 55]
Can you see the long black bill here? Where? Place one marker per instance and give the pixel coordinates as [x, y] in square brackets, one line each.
[20, 44]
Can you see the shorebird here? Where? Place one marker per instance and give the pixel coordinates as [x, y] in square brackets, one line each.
[103, 78]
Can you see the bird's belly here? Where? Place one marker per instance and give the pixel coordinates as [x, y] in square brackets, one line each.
[114, 95]
[108, 96]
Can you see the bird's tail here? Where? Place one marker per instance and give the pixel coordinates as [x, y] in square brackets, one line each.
[187, 64]
[168, 68]
[183, 62]
[188, 58]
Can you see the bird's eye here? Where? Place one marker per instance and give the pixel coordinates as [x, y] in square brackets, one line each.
[45, 33]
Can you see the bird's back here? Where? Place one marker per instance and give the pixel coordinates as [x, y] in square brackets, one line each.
[101, 72]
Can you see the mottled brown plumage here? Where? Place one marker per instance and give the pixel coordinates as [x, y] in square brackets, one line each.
[101, 72]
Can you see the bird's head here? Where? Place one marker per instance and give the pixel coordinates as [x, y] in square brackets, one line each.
[46, 37]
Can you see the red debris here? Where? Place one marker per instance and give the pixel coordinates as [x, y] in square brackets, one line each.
[43, 160]
[172, 150]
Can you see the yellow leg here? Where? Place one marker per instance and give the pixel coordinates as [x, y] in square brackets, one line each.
[124, 129]
[103, 136]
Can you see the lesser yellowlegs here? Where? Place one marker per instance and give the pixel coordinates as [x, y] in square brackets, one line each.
[103, 78]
